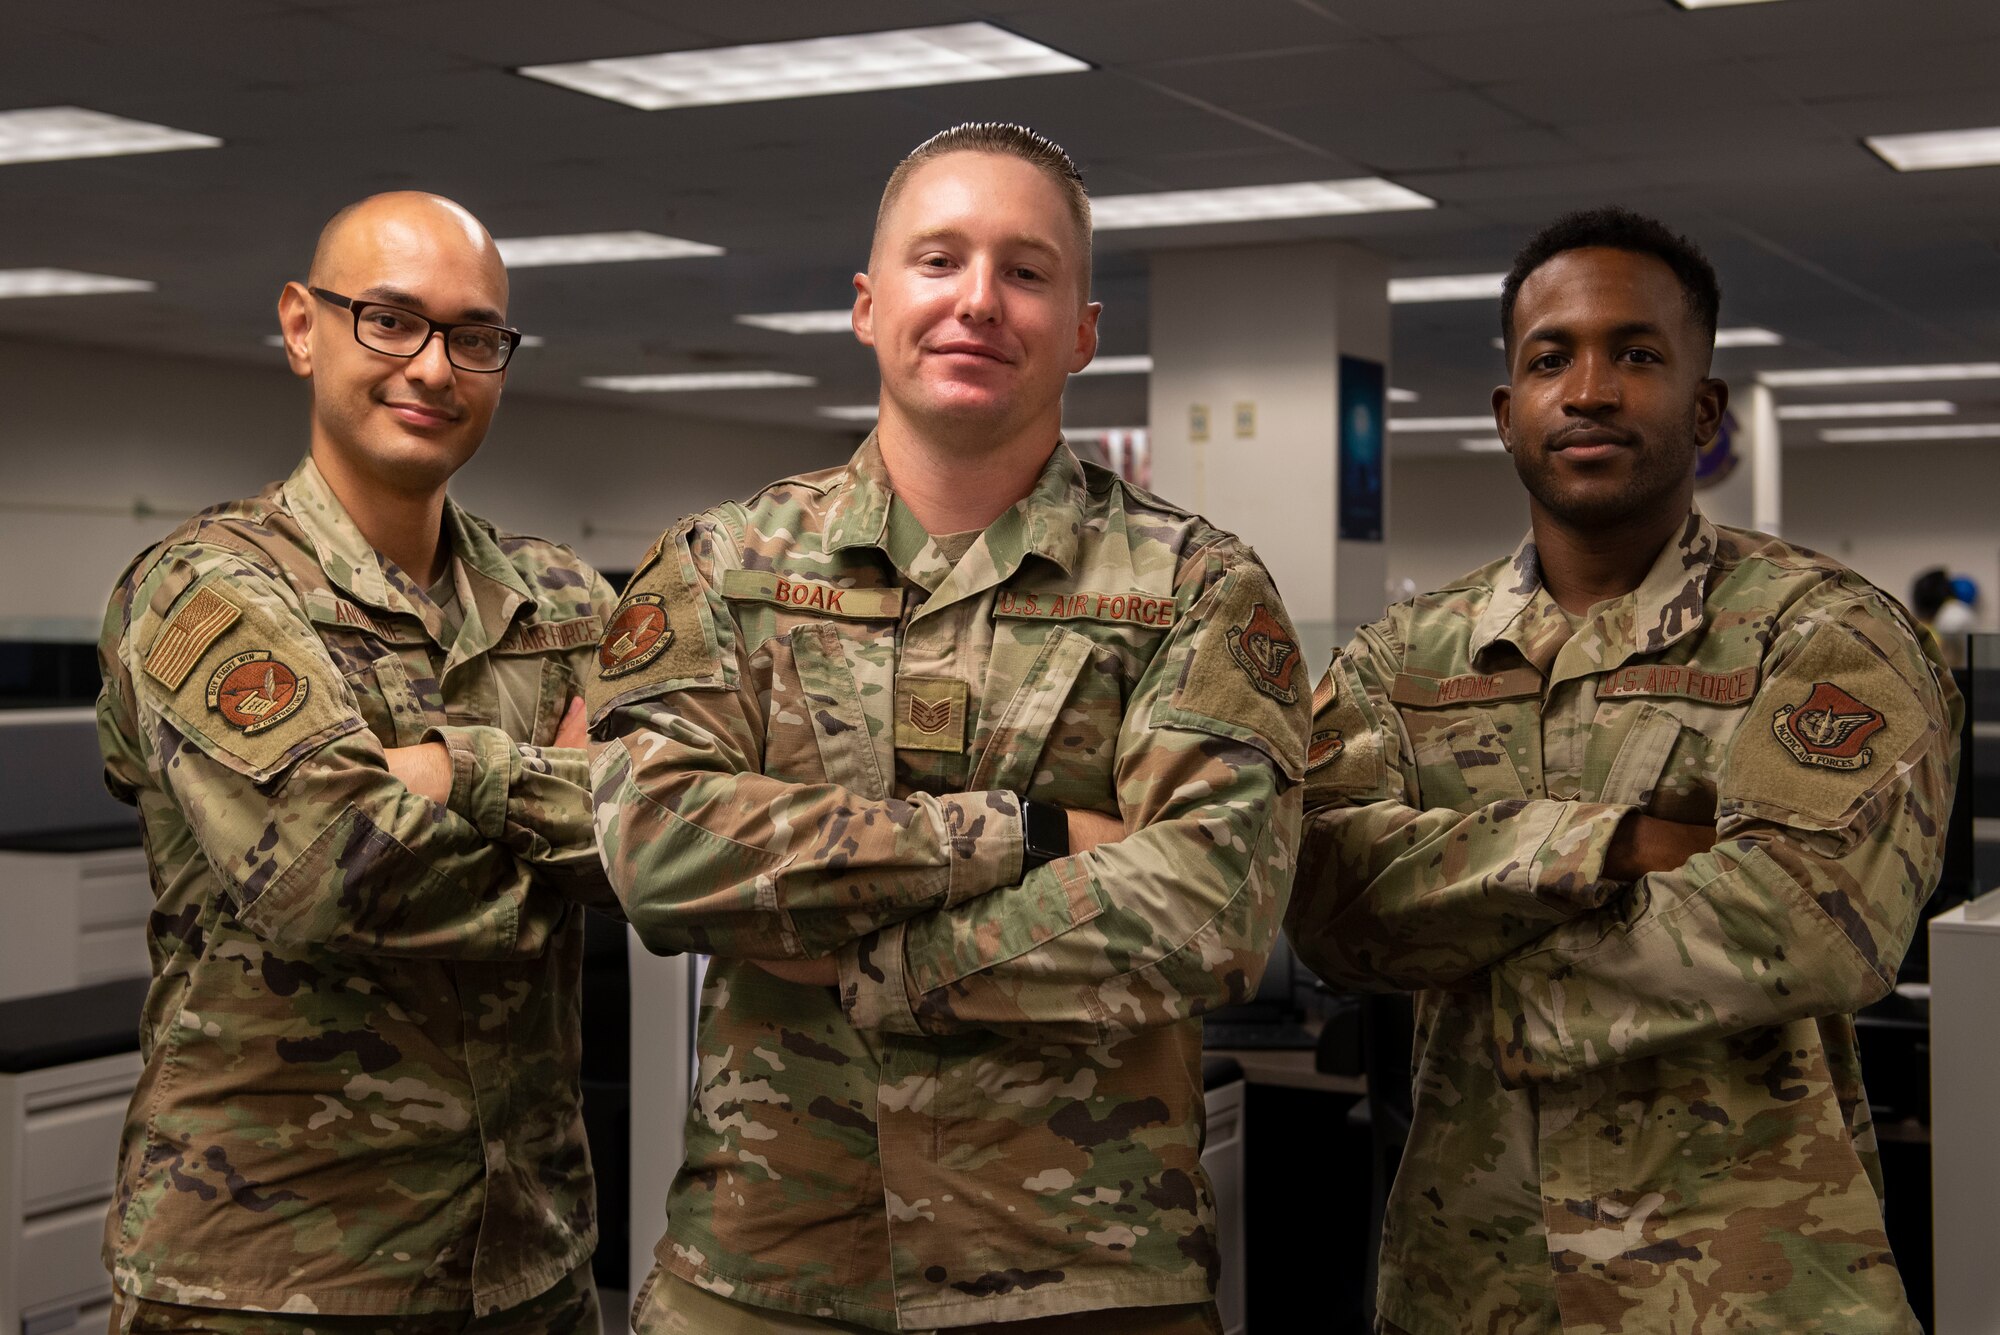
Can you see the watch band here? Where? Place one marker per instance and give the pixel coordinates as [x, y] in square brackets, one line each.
[1044, 834]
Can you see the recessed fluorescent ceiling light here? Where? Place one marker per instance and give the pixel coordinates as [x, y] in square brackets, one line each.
[804, 322]
[1139, 364]
[64, 283]
[1880, 375]
[535, 252]
[1716, 4]
[853, 412]
[1483, 445]
[1811, 412]
[1860, 435]
[1100, 434]
[1299, 199]
[692, 380]
[768, 71]
[1749, 337]
[1402, 395]
[1446, 287]
[50, 134]
[1440, 423]
[1935, 152]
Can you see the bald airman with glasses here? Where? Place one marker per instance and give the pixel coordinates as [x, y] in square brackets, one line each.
[346, 710]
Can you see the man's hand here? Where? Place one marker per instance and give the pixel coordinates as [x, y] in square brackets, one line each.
[425, 770]
[1088, 829]
[573, 731]
[812, 973]
[1646, 844]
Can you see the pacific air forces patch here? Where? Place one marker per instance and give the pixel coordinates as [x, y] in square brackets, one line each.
[1829, 729]
[1268, 655]
[638, 634]
[254, 691]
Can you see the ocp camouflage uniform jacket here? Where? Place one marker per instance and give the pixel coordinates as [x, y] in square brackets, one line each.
[811, 737]
[1638, 1107]
[361, 1043]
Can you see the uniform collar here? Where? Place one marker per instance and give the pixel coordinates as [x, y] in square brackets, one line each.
[859, 513]
[1668, 605]
[1046, 522]
[345, 556]
[494, 587]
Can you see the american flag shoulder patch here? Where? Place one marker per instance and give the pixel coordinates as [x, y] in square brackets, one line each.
[188, 636]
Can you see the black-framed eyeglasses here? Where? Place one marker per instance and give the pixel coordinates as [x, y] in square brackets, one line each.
[396, 332]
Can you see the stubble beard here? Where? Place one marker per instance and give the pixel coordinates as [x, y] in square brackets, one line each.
[1660, 470]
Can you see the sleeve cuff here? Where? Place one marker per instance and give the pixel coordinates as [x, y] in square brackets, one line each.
[987, 843]
[874, 990]
[482, 774]
[1569, 865]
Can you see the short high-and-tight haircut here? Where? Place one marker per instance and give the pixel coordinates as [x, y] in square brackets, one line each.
[1014, 141]
[1617, 229]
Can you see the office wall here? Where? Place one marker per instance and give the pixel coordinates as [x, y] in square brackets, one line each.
[1891, 511]
[102, 453]
[1888, 511]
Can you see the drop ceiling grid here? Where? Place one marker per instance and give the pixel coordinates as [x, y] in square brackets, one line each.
[1742, 126]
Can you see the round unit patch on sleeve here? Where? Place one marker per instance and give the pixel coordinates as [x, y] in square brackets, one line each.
[1268, 655]
[1236, 670]
[638, 634]
[254, 691]
[1829, 729]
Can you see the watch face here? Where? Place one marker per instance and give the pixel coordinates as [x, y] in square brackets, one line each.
[1044, 831]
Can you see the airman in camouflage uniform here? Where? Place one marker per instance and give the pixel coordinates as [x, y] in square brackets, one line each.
[360, 1098]
[1638, 1101]
[815, 727]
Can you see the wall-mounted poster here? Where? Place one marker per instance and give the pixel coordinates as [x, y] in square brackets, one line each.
[1362, 392]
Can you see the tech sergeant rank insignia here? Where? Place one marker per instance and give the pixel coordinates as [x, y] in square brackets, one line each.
[1828, 729]
[255, 691]
[1266, 655]
[638, 634]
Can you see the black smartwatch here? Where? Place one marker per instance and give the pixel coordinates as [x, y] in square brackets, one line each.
[1044, 834]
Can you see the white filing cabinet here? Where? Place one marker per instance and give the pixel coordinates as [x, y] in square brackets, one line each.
[68, 920]
[1965, 1102]
[58, 1144]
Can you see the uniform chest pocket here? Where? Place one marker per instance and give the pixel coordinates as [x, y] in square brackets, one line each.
[389, 698]
[1661, 763]
[827, 727]
[531, 692]
[1463, 757]
[1030, 724]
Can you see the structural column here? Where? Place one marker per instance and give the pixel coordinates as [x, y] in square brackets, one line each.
[1270, 371]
